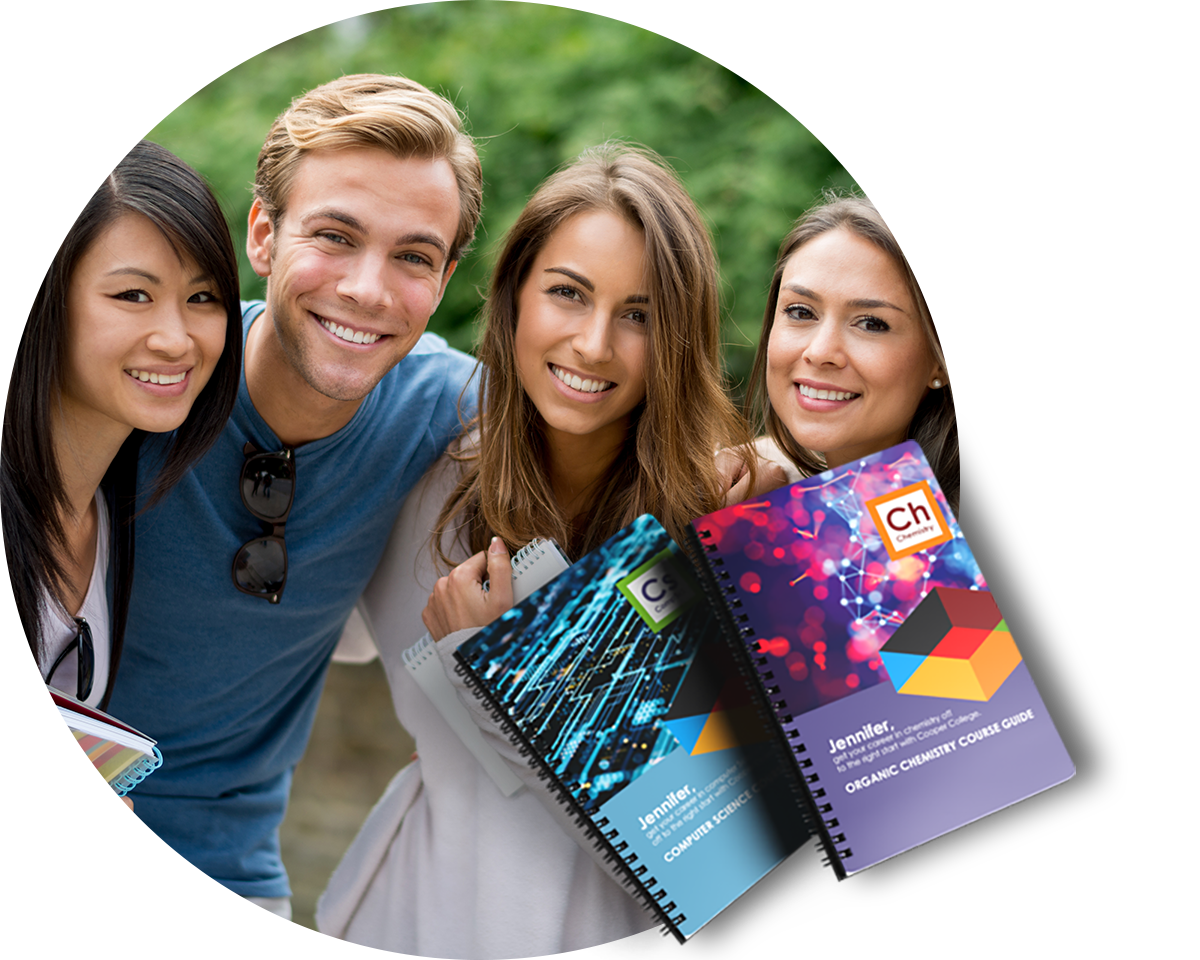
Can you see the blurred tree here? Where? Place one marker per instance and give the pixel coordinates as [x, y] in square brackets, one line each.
[538, 84]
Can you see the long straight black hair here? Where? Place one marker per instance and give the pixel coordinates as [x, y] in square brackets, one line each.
[154, 183]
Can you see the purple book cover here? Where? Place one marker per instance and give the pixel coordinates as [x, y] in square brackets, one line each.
[889, 666]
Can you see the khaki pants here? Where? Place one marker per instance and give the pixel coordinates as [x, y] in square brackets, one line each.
[111, 915]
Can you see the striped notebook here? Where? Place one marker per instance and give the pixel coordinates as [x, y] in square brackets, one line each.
[49, 739]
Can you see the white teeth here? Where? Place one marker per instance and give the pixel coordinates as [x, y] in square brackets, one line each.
[156, 377]
[806, 391]
[348, 334]
[584, 386]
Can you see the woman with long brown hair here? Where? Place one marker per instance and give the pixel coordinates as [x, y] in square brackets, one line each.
[601, 400]
[849, 361]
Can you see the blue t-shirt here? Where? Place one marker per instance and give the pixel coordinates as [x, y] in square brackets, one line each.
[228, 683]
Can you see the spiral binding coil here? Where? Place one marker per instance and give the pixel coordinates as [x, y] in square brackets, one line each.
[137, 773]
[423, 649]
[806, 787]
[524, 558]
[631, 872]
[536, 546]
[420, 651]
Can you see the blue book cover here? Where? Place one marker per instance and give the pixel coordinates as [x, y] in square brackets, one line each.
[893, 674]
[617, 679]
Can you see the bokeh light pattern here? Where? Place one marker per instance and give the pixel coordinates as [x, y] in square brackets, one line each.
[812, 574]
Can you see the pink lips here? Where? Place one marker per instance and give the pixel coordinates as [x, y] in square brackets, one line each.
[815, 405]
[578, 396]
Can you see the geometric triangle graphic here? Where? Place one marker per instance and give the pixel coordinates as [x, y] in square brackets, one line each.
[900, 666]
[687, 730]
[976, 677]
[730, 728]
[955, 645]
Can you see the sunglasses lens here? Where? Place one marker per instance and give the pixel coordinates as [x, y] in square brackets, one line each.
[260, 568]
[87, 662]
[268, 482]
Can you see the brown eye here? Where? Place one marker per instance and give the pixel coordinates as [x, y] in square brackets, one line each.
[567, 293]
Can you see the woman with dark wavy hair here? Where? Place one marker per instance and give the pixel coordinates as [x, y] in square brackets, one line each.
[849, 361]
[135, 329]
[602, 400]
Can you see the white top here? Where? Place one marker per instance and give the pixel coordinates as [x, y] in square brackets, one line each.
[446, 865]
[58, 631]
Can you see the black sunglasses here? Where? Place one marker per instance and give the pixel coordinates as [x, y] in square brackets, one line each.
[86, 669]
[268, 487]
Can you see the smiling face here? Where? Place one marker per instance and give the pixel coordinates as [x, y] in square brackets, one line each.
[144, 331]
[356, 264]
[581, 328]
[848, 360]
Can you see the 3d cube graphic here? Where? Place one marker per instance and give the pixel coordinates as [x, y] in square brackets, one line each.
[954, 644]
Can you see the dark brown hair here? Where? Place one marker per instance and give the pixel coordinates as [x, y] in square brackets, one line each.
[934, 425]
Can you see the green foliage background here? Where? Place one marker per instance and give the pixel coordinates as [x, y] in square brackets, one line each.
[538, 84]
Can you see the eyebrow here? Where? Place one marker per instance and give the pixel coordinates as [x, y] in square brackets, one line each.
[138, 272]
[134, 272]
[357, 225]
[860, 304]
[585, 282]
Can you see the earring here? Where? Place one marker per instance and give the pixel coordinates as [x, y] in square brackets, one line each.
[937, 384]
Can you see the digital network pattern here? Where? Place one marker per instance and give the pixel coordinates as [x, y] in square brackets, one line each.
[829, 596]
[598, 728]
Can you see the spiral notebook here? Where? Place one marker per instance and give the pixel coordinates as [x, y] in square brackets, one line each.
[49, 739]
[532, 566]
[855, 601]
[617, 683]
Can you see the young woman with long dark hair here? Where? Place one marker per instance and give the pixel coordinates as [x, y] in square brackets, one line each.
[601, 400]
[135, 329]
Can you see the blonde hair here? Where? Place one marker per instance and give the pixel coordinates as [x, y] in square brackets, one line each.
[371, 110]
[667, 467]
